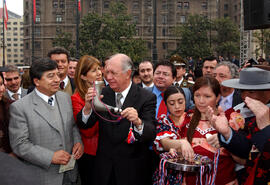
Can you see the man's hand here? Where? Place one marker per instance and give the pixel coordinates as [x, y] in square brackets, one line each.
[77, 150]
[60, 157]
[131, 114]
[89, 96]
[261, 112]
[220, 122]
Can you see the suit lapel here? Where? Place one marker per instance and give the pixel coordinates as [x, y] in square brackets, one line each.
[131, 97]
[43, 111]
[62, 107]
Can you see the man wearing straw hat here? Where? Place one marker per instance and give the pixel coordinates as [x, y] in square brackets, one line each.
[251, 143]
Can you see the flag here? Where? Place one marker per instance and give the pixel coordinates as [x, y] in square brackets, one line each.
[79, 5]
[5, 14]
[34, 11]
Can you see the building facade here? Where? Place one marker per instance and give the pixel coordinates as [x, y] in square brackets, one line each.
[60, 15]
[13, 40]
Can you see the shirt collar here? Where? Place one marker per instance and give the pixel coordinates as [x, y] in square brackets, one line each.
[125, 92]
[180, 81]
[19, 92]
[229, 97]
[45, 97]
[66, 81]
[156, 91]
[151, 85]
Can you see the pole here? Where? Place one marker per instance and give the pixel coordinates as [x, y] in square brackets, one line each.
[33, 35]
[4, 61]
[77, 29]
[155, 55]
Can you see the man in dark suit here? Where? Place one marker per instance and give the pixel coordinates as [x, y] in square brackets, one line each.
[13, 83]
[230, 97]
[62, 57]
[146, 71]
[42, 130]
[119, 160]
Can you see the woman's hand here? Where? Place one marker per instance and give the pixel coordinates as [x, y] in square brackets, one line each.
[186, 150]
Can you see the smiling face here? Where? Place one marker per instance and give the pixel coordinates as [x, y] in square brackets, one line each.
[49, 82]
[205, 97]
[146, 72]
[13, 81]
[62, 63]
[176, 104]
[163, 77]
[94, 74]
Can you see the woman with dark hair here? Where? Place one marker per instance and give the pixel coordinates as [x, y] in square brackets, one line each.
[4, 119]
[169, 129]
[88, 71]
[207, 93]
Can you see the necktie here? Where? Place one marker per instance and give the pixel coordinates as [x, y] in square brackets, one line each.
[118, 98]
[223, 104]
[162, 107]
[62, 85]
[50, 101]
[15, 96]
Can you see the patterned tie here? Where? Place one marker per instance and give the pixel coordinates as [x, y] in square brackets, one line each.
[15, 96]
[118, 98]
[62, 85]
[162, 107]
[50, 101]
[223, 104]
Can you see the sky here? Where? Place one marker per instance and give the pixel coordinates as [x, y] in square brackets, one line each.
[15, 6]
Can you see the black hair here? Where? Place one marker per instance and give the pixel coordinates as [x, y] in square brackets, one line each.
[210, 58]
[59, 50]
[166, 63]
[173, 90]
[40, 66]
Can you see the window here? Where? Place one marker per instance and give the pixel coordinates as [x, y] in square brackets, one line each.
[37, 31]
[164, 19]
[15, 44]
[37, 45]
[15, 34]
[182, 19]
[106, 4]
[235, 7]
[8, 39]
[15, 50]
[15, 61]
[26, 32]
[149, 19]
[15, 39]
[26, 5]
[164, 45]
[186, 5]
[55, 3]
[163, 31]
[164, 5]
[204, 5]
[58, 18]
[135, 5]
[179, 5]
[226, 15]
[9, 45]
[15, 23]
[21, 44]
[15, 28]
[62, 4]
[149, 4]
[135, 19]
[37, 18]
[15, 55]
[9, 55]
[149, 45]
[26, 45]
[37, 4]
[226, 7]
[8, 50]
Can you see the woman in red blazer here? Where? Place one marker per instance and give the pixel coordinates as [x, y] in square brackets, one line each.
[88, 70]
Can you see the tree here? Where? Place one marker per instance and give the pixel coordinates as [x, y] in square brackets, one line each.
[227, 37]
[262, 38]
[193, 36]
[103, 35]
[64, 40]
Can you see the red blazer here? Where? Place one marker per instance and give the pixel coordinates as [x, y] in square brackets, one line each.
[89, 136]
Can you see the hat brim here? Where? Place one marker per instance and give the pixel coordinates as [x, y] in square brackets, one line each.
[234, 83]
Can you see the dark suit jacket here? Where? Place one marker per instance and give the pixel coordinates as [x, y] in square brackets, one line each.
[128, 162]
[236, 97]
[72, 83]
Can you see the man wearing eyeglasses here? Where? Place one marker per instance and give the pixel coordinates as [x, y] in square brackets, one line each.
[13, 83]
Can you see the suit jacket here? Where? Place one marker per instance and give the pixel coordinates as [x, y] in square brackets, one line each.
[14, 172]
[24, 93]
[35, 135]
[237, 99]
[128, 162]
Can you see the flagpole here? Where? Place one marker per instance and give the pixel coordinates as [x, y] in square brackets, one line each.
[33, 34]
[4, 62]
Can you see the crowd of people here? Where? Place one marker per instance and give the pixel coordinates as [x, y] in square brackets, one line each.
[51, 133]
